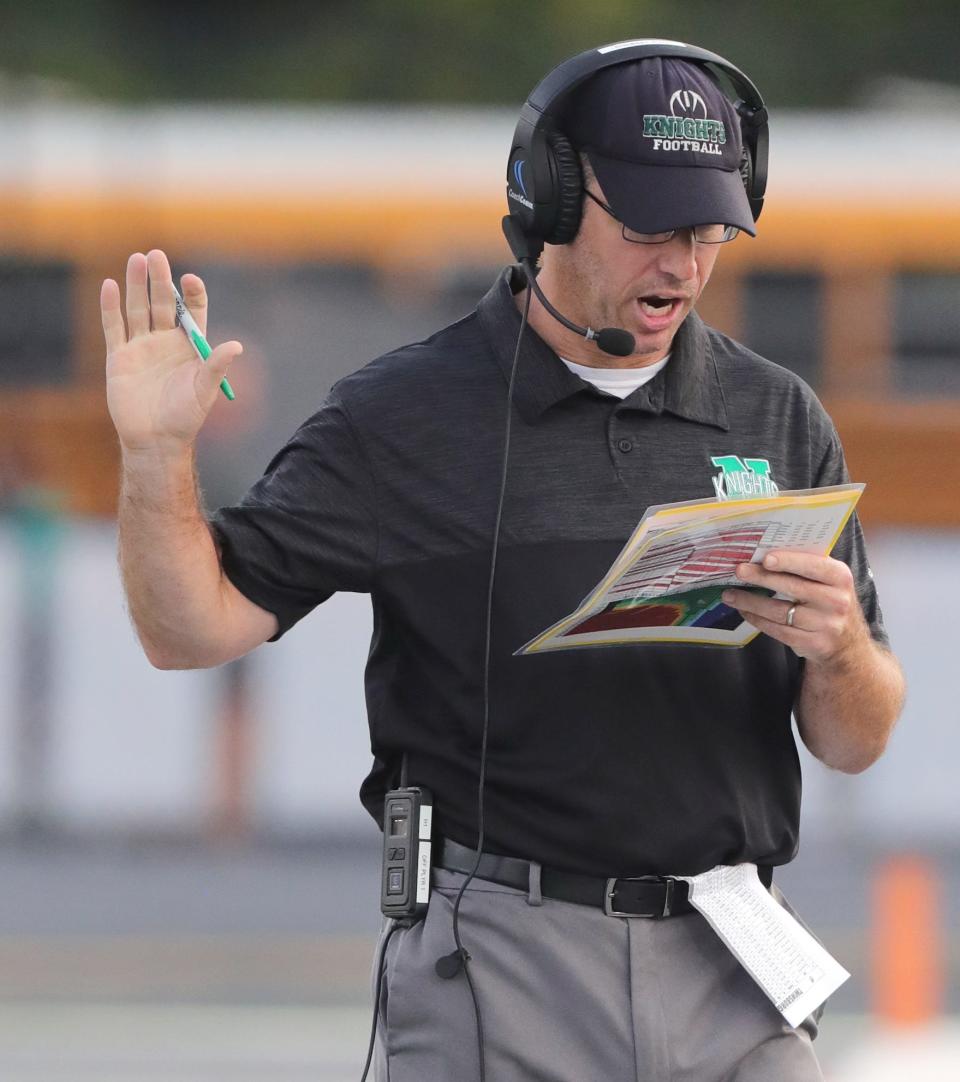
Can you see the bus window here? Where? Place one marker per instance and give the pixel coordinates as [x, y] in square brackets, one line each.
[782, 320]
[36, 323]
[926, 333]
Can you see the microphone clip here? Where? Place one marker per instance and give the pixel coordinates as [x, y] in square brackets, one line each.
[450, 964]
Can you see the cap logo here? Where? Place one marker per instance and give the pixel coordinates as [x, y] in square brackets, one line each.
[683, 129]
[689, 102]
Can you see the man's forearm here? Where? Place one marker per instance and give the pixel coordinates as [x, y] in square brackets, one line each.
[848, 706]
[168, 560]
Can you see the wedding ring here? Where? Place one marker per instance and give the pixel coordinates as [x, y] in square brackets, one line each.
[791, 613]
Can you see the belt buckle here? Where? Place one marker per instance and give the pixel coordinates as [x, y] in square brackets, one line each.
[611, 887]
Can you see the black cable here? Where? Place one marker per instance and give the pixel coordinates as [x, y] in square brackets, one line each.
[381, 966]
[463, 954]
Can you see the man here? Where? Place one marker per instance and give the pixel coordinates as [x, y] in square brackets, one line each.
[601, 765]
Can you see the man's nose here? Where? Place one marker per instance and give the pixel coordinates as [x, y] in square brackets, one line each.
[678, 257]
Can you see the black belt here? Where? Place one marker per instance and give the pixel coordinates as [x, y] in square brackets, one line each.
[652, 896]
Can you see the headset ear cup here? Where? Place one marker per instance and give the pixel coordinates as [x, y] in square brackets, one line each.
[568, 187]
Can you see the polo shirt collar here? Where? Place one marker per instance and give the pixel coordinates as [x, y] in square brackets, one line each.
[542, 378]
[689, 386]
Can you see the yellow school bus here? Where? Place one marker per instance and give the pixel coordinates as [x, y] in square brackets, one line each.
[853, 280]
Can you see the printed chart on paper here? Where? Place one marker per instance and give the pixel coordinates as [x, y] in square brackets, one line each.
[666, 584]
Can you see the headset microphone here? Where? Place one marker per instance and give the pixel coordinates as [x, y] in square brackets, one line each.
[612, 340]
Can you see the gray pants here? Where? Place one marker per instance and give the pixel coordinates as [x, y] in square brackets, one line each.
[568, 994]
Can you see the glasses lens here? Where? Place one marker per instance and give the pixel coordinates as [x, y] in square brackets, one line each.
[646, 238]
[703, 234]
[715, 233]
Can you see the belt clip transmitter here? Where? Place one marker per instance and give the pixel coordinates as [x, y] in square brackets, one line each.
[407, 826]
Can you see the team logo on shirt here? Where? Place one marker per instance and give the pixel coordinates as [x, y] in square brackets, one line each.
[742, 478]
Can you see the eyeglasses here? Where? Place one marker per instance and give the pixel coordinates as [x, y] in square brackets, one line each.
[702, 234]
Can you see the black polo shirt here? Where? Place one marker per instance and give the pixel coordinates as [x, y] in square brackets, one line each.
[612, 760]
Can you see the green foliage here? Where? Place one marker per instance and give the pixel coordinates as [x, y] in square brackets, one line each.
[816, 53]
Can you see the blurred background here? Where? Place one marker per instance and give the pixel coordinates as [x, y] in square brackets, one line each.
[189, 884]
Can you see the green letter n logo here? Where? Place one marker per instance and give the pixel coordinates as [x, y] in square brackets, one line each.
[742, 478]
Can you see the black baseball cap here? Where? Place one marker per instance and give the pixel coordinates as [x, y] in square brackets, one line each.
[665, 144]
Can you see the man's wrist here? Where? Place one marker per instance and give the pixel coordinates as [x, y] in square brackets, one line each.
[847, 658]
[161, 480]
[158, 457]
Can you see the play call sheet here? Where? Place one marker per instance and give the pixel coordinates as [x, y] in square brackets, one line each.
[666, 584]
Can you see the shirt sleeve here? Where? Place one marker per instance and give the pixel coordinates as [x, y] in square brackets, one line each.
[308, 527]
[850, 546]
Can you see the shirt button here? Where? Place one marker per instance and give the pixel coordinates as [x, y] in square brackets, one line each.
[624, 445]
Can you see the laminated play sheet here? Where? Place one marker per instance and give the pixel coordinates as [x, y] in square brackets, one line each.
[787, 962]
[666, 584]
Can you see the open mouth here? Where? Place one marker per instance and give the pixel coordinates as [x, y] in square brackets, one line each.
[657, 312]
[653, 305]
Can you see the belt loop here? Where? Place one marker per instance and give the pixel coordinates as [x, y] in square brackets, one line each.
[534, 895]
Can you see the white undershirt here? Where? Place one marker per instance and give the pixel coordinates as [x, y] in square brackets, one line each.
[616, 381]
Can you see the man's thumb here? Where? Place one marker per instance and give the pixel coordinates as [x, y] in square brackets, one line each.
[213, 370]
[220, 359]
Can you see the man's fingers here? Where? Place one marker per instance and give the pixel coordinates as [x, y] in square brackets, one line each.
[163, 309]
[212, 371]
[194, 295]
[800, 589]
[114, 332]
[138, 306]
[809, 566]
[799, 641]
[775, 610]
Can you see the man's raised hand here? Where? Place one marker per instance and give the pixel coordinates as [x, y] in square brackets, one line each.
[158, 391]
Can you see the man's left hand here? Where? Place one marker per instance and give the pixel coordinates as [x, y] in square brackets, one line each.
[827, 619]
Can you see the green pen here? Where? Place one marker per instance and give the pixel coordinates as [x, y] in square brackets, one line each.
[199, 343]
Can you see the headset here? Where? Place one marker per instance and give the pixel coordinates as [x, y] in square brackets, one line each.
[544, 177]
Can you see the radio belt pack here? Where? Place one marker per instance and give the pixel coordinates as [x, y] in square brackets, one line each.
[407, 824]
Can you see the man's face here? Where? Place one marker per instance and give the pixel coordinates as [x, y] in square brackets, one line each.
[602, 280]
